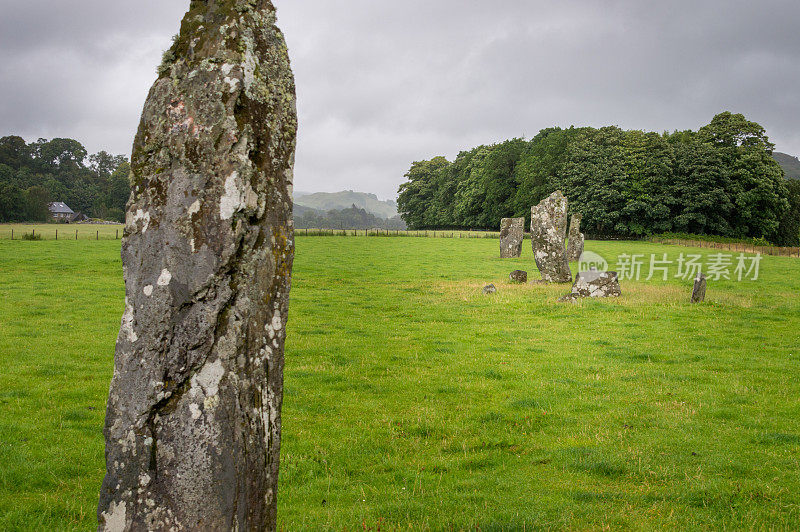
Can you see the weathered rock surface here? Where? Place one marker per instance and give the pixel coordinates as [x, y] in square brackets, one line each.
[489, 289]
[512, 233]
[194, 411]
[594, 284]
[518, 276]
[699, 290]
[576, 239]
[548, 235]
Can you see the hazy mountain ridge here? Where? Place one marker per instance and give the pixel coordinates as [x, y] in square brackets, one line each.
[327, 201]
[300, 210]
[789, 163]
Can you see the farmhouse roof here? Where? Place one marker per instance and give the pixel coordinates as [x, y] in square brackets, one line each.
[59, 207]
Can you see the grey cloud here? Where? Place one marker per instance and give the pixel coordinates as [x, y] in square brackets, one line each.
[381, 84]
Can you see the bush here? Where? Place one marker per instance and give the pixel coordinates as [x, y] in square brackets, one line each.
[31, 236]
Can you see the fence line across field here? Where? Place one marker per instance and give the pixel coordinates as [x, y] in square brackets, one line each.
[113, 232]
[731, 246]
[60, 232]
[431, 233]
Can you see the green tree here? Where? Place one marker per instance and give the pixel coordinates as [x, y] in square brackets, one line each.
[37, 202]
[59, 152]
[499, 181]
[719, 180]
[539, 168]
[104, 164]
[119, 190]
[593, 180]
[702, 203]
[415, 200]
[12, 200]
[14, 152]
[756, 189]
[789, 229]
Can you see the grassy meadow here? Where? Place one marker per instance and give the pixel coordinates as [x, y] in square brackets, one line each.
[413, 401]
[63, 231]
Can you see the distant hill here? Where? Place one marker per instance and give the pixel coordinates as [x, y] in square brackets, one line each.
[350, 218]
[790, 165]
[327, 201]
[299, 210]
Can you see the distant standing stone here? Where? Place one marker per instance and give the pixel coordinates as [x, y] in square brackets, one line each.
[594, 284]
[548, 233]
[699, 290]
[512, 232]
[489, 289]
[576, 239]
[518, 276]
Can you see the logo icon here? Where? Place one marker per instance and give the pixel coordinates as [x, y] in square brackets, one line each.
[591, 261]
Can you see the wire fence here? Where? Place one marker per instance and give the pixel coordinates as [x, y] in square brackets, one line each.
[99, 232]
[731, 246]
[433, 233]
[115, 232]
[61, 232]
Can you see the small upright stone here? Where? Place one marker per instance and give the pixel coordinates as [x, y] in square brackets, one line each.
[548, 235]
[193, 425]
[512, 232]
[576, 239]
[518, 276]
[594, 284]
[489, 289]
[699, 290]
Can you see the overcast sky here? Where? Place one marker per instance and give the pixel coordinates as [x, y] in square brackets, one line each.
[382, 83]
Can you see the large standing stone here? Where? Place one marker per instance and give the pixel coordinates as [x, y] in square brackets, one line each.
[576, 239]
[594, 284]
[699, 289]
[548, 233]
[512, 232]
[194, 411]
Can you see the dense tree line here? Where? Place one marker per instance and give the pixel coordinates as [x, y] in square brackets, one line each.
[33, 175]
[352, 218]
[720, 180]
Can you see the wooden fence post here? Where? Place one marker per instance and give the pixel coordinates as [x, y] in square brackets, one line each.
[56, 234]
[98, 235]
[12, 233]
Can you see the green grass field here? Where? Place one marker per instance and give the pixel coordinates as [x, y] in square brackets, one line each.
[63, 231]
[413, 401]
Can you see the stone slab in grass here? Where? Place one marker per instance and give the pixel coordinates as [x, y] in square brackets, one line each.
[593, 284]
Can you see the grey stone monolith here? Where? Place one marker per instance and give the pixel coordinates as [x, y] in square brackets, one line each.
[193, 423]
[594, 284]
[512, 233]
[699, 289]
[548, 235]
[518, 276]
[575, 239]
